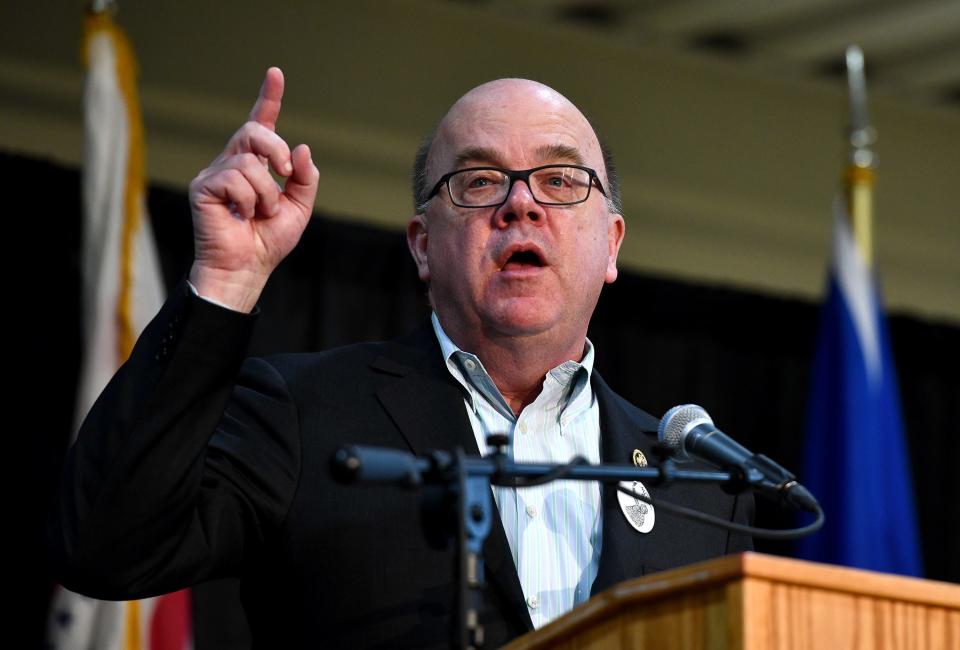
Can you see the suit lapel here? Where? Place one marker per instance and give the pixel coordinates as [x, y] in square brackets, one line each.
[621, 432]
[426, 404]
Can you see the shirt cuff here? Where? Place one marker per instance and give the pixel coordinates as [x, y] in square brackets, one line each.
[210, 300]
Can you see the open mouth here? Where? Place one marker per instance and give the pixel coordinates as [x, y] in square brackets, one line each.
[523, 260]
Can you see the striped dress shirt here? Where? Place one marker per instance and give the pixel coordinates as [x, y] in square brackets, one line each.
[554, 530]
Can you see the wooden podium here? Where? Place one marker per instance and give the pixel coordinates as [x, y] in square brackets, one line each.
[753, 601]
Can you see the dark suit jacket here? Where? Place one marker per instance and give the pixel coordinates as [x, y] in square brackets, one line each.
[194, 464]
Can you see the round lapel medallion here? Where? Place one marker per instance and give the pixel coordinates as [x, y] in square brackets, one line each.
[639, 515]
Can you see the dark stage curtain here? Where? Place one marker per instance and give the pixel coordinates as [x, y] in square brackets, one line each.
[744, 356]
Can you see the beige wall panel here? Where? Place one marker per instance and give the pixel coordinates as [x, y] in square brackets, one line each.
[728, 175]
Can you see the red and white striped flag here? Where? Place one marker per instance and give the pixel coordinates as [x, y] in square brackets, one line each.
[122, 291]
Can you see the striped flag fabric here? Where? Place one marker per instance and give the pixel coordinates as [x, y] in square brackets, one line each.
[856, 458]
[81, 623]
[122, 289]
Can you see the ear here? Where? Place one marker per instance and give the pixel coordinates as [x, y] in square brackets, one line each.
[417, 242]
[616, 229]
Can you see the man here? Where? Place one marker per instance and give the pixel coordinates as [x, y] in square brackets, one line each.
[190, 467]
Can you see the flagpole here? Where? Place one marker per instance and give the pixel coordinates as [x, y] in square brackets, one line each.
[859, 176]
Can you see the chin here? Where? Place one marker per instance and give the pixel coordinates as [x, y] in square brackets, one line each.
[526, 317]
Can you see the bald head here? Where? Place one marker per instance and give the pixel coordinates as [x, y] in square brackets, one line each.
[517, 109]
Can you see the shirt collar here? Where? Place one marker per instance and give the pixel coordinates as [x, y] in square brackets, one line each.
[468, 370]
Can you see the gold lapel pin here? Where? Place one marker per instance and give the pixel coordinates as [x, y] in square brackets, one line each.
[639, 459]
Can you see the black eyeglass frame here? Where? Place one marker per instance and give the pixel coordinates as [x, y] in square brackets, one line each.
[514, 176]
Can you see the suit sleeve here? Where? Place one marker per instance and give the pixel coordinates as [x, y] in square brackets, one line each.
[185, 462]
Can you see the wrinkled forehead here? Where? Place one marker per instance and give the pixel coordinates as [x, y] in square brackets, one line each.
[513, 123]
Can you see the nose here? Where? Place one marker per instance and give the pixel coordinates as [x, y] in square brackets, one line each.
[520, 205]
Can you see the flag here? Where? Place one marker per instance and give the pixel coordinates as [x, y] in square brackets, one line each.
[122, 290]
[81, 623]
[856, 460]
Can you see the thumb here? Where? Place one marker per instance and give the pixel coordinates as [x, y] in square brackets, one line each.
[301, 186]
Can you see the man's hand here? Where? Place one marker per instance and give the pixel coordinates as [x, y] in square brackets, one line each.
[244, 224]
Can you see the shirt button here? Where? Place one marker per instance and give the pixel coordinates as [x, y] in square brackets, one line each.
[532, 511]
[533, 602]
[523, 427]
[470, 364]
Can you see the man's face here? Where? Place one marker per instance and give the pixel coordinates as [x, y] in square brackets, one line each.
[520, 269]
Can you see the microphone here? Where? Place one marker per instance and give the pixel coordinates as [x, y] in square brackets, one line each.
[689, 431]
[352, 463]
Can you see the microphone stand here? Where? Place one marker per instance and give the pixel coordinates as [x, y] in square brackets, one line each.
[469, 480]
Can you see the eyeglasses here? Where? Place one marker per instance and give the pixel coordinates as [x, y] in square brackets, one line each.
[487, 187]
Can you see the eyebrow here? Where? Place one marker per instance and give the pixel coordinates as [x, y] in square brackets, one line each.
[560, 152]
[481, 155]
[546, 153]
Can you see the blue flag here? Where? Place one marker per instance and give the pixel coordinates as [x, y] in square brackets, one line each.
[856, 460]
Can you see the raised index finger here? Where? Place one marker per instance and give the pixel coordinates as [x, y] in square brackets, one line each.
[267, 109]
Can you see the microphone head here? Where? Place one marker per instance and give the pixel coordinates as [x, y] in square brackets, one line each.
[676, 423]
